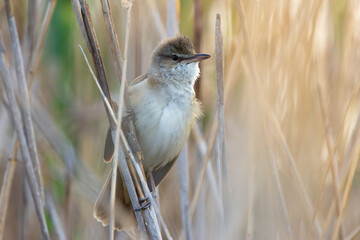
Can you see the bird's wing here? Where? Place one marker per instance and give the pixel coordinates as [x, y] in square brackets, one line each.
[109, 147]
[160, 173]
[109, 144]
[138, 79]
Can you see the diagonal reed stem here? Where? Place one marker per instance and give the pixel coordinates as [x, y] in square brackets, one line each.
[33, 62]
[118, 125]
[24, 97]
[334, 169]
[39, 44]
[346, 193]
[332, 152]
[150, 216]
[24, 148]
[112, 39]
[130, 187]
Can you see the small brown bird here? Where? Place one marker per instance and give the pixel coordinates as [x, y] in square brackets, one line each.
[164, 108]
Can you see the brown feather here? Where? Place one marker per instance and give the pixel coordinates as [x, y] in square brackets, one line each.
[139, 79]
[161, 172]
[124, 214]
[109, 144]
[109, 147]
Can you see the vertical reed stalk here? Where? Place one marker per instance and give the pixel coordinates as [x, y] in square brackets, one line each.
[116, 135]
[220, 150]
[6, 188]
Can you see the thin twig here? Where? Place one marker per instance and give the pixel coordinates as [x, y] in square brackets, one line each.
[33, 55]
[89, 34]
[333, 151]
[116, 135]
[172, 26]
[221, 147]
[77, 11]
[183, 164]
[160, 27]
[197, 31]
[347, 170]
[68, 213]
[6, 188]
[112, 114]
[131, 189]
[136, 205]
[56, 221]
[66, 152]
[162, 222]
[346, 167]
[112, 38]
[334, 169]
[328, 219]
[36, 53]
[346, 193]
[276, 177]
[206, 150]
[17, 123]
[202, 148]
[33, 9]
[94, 49]
[156, 198]
[275, 173]
[200, 179]
[24, 97]
[149, 215]
[23, 203]
[354, 234]
[249, 232]
[345, 164]
[206, 158]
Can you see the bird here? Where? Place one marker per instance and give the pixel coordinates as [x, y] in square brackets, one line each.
[163, 107]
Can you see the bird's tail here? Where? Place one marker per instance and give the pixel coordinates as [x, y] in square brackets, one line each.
[124, 215]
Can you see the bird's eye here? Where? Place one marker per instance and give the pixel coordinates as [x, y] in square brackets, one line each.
[175, 58]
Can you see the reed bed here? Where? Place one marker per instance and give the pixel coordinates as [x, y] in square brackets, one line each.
[275, 155]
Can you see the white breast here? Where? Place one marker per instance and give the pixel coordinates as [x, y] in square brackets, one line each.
[162, 123]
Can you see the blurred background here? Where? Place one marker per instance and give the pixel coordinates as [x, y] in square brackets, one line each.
[291, 118]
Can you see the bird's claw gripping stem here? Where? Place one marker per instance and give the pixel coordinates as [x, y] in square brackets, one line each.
[144, 203]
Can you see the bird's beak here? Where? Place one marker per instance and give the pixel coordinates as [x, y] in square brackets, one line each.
[196, 58]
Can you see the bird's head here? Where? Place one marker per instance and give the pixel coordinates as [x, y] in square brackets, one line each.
[175, 59]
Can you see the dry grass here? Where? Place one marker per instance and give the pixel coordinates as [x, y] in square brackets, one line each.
[291, 101]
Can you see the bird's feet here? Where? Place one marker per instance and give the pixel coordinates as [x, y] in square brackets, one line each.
[144, 203]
